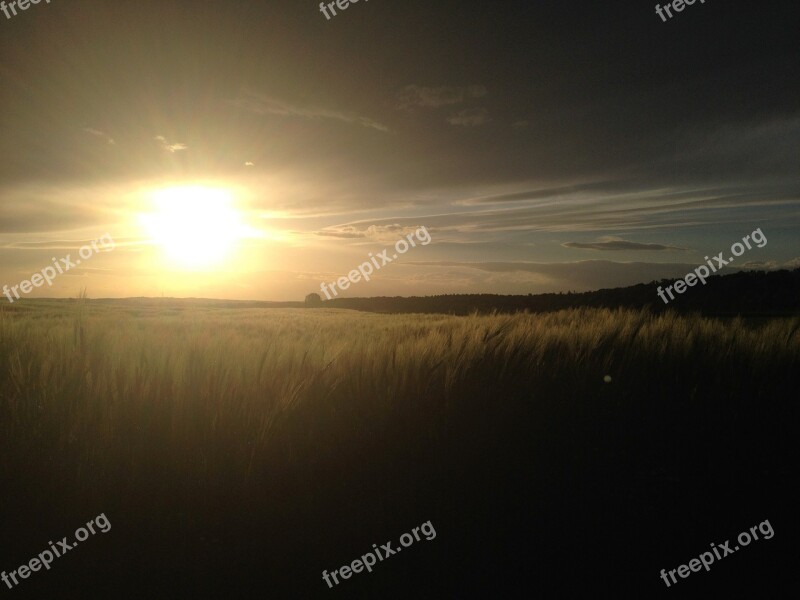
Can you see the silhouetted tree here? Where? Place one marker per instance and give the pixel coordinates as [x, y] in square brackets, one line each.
[313, 300]
[747, 293]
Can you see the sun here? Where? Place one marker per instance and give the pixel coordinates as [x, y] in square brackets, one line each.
[196, 226]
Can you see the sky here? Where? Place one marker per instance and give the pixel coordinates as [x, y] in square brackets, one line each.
[255, 149]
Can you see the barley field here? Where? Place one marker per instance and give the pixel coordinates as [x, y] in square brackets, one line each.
[240, 452]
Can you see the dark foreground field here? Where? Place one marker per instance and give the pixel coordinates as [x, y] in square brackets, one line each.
[239, 453]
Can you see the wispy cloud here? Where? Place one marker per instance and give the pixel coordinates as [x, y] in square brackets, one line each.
[344, 233]
[413, 96]
[634, 213]
[378, 233]
[617, 245]
[68, 244]
[261, 104]
[578, 276]
[168, 146]
[100, 134]
[597, 189]
[771, 265]
[469, 117]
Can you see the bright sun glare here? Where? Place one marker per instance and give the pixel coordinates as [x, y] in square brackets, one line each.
[196, 226]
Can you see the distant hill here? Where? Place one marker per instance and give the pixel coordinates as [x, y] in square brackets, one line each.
[746, 293]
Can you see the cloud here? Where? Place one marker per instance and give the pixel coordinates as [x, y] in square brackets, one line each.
[378, 233]
[261, 104]
[343, 233]
[173, 148]
[35, 210]
[102, 134]
[520, 124]
[619, 207]
[792, 264]
[616, 245]
[593, 190]
[413, 96]
[578, 276]
[70, 244]
[469, 117]
[771, 265]
[249, 164]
